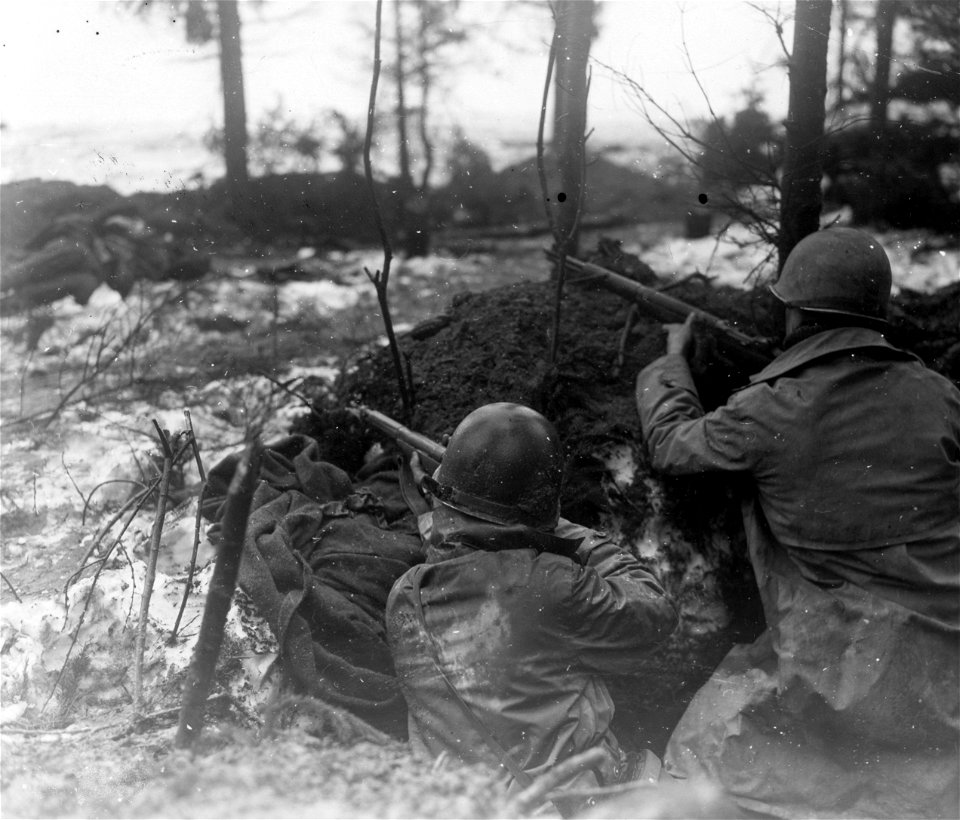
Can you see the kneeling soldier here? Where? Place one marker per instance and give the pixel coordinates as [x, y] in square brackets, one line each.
[501, 639]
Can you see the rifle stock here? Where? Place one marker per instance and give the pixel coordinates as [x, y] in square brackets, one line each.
[751, 352]
[431, 453]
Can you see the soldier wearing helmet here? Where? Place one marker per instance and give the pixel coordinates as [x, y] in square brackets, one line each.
[502, 638]
[847, 705]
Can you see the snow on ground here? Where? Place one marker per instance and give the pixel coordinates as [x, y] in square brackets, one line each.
[81, 634]
[736, 259]
[55, 497]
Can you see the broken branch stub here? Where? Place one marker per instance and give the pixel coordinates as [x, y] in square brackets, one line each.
[205, 654]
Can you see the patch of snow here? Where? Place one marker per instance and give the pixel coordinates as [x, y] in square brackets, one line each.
[737, 260]
[42, 636]
[328, 371]
[917, 269]
[323, 297]
[621, 465]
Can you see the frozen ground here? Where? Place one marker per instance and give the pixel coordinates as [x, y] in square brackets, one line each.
[63, 478]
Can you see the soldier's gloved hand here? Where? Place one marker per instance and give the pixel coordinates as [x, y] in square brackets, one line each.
[680, 338]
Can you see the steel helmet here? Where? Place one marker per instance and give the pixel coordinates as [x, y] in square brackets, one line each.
[503, 464]
[837, 270]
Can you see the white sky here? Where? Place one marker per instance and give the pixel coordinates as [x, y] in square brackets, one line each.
[92, 67]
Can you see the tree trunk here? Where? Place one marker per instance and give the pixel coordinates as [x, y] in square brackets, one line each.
[410, 211]
[234, 107]
[403, 143]
[886, 15]
[801, 199]
[426, 85]
[575, 30]
[841, 52]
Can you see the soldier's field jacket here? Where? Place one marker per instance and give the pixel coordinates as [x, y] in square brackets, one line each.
[524, 625]
[848, 703]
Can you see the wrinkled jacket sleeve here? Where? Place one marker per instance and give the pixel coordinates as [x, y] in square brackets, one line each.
[613, 607]
[681, 439]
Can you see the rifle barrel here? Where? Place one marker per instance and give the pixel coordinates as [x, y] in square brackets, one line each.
[394, 429]
[668, 308]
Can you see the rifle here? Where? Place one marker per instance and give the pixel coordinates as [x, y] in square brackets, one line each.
[430, 452]
[747, 350]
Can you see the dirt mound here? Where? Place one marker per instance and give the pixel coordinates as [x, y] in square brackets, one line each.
[929, 325]
[494, 346]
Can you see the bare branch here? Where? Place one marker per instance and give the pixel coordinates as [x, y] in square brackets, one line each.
[14, 591]
[147, 591]
[207, 650]
[368, 140]
[777, 22]
[197, 524]
[381, 278]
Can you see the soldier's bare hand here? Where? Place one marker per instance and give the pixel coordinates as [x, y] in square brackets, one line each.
[681, 338]
[416, 468]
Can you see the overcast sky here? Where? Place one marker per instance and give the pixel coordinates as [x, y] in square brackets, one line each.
[91, 68]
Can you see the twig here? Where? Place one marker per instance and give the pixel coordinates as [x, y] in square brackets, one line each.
[136, 500]
[164, 441]
[194, 446]
[382, 277]
[105, 356]
[207, 650]
[140, 501]
[213, 700]
[133, 580]
[79, 571]
[55, 733]
[89, 498]
[198, 522]
[7, 582]
[66, 469]
[291, 392]
[631, 320]
[89, 730]
[536, 793]
[76, 634]
[151, 573]
[23, 377]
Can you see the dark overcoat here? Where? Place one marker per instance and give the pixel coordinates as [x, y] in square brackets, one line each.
[847, 705]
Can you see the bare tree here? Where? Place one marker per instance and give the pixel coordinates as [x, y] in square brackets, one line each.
[423, 31]
[203, 22]
[886, 16]
[743, 152]
[841, 52]
[234, 105]
[400, 78]
[574, 33]
[564, 216]
[801, 199]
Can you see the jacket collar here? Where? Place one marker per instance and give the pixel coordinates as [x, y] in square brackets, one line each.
[471, 537]
[828, 343]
